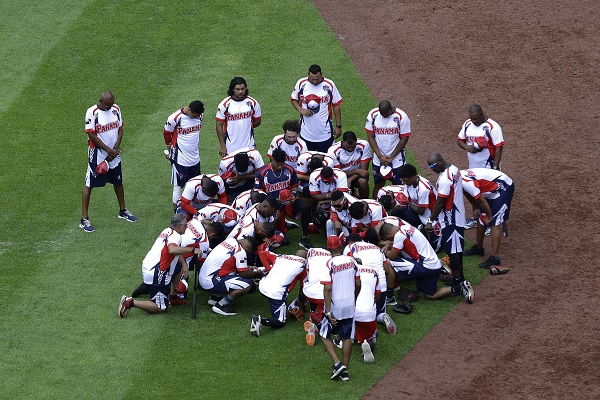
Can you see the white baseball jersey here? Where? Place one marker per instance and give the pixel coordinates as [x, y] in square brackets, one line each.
[347, 161]
[105, 125]
[239, 118]
[414, 245]
[316, 184]
[182, 133]
[159, 265]
[320, 99]
[227, 164]
[253, 214]
[228, 258]
[342, 273]
[394, 220]
[193, 190]
[292, 151]
[492, 132]
[374, 214]
[365, 309]
[243, 201]
[316, 268]
[304, 160]
[422, 195]
[368, 255]
[449, 186]
[388, 132]
[282, 275]
[195, 236]
[484, 182]
[343, 215]
[244, 228]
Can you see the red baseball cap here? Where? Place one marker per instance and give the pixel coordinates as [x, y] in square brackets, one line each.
[229, 217]
[333, 242]
[285, 196]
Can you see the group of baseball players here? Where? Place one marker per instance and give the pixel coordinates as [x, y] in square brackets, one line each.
[227, 225]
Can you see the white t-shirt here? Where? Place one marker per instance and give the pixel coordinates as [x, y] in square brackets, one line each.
[423, 195]
[285, 269]
[388, 132]
[106, 125]
[489, 130]
[185, 137]
[320, 99]
[228, 258]
[366, 307]
[341, 275]
[193, 190]
[239, 117]
[316, 184]
[292, 151]
[227, 164]
[316, 268]
[158, 265]
[414, 245]
[347, 161]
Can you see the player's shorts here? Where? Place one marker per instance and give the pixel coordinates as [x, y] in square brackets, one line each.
[159, 294]
[344, 328]
[225, 284]
[426, 279]
[500, 206]
[322, 147]
[113, 176]
[377, 178]
[365, 330]
[317, 306]
[453, 238]
[180, 174]
[278, 309]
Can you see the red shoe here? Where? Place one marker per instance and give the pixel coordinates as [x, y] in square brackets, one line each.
[177, 301]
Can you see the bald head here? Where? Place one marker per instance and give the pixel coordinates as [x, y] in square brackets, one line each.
[434, 158]
[385, 108]
[107, 100]
[475, 109]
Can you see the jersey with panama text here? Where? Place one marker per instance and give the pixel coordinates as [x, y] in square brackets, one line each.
[105, 125]
[272, 182]
[320, 99]
[316, 267]
[388, 132]
[292, 151]
[159, 265]
[342, 272]
[414, 245]
[182, 133]
[492, 132]
[227, 164]
[283, 272]
[239, 118]
[347, 161]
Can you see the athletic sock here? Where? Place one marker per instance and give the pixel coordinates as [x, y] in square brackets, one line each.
[226, 300]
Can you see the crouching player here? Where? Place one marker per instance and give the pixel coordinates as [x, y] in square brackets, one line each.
[159, 267]
[283, 271]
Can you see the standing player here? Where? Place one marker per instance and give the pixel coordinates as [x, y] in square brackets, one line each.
[182, 137]
[159, 266]
[353, 156]
[104, 129]
[388, 130]
[450, 208]
[482, 138]
[341, 286]
[237, 116]
[315, 98]
[289, 142]
[494, 189]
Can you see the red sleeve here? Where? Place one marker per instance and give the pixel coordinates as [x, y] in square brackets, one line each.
[187, 206]
[333, 216]
[267, 258]
[168, 137]
[223, 198]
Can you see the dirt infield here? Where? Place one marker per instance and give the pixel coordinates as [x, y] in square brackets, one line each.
[533, 66]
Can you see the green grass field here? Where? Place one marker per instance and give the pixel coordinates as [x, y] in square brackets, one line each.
[60, 334]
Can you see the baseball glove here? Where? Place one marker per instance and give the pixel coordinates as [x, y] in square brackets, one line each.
[498, 270]
[408, 294]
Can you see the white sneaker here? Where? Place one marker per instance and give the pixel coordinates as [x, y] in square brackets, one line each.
[467, 291]
[255, 325]
[471, 223]
[367, 353]
[389, 324]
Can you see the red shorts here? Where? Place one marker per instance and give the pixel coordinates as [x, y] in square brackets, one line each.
[364, 330]
[316, 310]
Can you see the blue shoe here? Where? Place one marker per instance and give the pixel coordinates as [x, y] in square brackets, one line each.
[471, 223]
[86, 225]
[127, 216]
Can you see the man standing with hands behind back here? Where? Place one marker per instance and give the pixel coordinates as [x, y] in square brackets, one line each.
[104, 129]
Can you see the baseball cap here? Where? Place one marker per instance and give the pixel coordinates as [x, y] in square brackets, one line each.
[333, 242]
[102, 168]
[285, 196]
[327, 174]
[480, 143]
[229, 217]
[386, 171]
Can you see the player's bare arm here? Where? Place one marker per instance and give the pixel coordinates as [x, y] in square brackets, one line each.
[399, 147]
[462, 143]
[375, 147]
[220, 127]
[337, 113]
[498, 157]
[437, 209]
[112, 153]
[303, 111]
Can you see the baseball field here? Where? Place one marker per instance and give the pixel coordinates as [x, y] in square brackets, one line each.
[530, 66]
